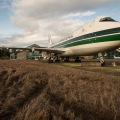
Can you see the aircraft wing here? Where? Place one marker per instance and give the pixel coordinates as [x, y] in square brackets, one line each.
[51, 50]
[15, 48]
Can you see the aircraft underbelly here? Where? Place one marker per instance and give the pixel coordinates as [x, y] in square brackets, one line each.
[93, 48]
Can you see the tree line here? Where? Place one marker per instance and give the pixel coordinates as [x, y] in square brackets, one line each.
[4, 53]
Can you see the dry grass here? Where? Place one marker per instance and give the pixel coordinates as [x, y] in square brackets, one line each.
[31, 90]
[110, 70]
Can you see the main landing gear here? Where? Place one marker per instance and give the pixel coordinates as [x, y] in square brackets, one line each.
[66, 59]
[77, 59]
[53, 58]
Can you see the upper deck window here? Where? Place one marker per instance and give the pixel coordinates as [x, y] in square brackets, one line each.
[107, 19]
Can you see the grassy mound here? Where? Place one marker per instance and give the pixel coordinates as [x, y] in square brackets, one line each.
[31, 90]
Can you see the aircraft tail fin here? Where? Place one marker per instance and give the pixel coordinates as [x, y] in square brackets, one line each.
[50, 39]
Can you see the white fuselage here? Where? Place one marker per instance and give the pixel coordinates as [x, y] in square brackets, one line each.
[92, 38]
[91, 49]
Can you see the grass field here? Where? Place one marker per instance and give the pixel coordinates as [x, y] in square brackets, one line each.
[33, 90]
[105, 70]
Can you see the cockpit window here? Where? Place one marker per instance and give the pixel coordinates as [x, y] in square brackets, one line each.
[107, 19]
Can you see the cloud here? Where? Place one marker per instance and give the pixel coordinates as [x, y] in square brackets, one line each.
[79, 15]
[42, 9]
[5, 4]
[21, 40]
[59, 17]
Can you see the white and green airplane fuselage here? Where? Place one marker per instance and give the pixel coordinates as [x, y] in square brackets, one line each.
[97, 36]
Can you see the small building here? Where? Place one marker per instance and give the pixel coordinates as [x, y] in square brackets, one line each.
[27, 55]
[113, 54]
[12, 56]
[21, 54]
[110, 55]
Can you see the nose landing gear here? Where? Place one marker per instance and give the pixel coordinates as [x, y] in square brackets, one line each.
[101, 58]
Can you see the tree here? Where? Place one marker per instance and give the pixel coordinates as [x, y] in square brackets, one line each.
[4, 53]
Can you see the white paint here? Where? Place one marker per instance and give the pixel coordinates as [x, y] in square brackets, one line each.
[90, 49]
[92, 26]
[93, 48]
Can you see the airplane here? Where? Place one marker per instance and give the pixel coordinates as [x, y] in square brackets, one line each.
[97, 36]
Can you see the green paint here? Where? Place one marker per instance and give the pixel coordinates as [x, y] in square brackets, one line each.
[88, 38]
[95, 40]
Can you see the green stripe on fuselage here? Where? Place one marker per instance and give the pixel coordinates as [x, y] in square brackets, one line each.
[94, 40]
[91, 36]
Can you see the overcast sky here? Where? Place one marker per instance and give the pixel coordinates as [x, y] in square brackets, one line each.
[26, 22]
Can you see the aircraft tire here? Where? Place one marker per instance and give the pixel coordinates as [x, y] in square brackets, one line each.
[103, 64]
